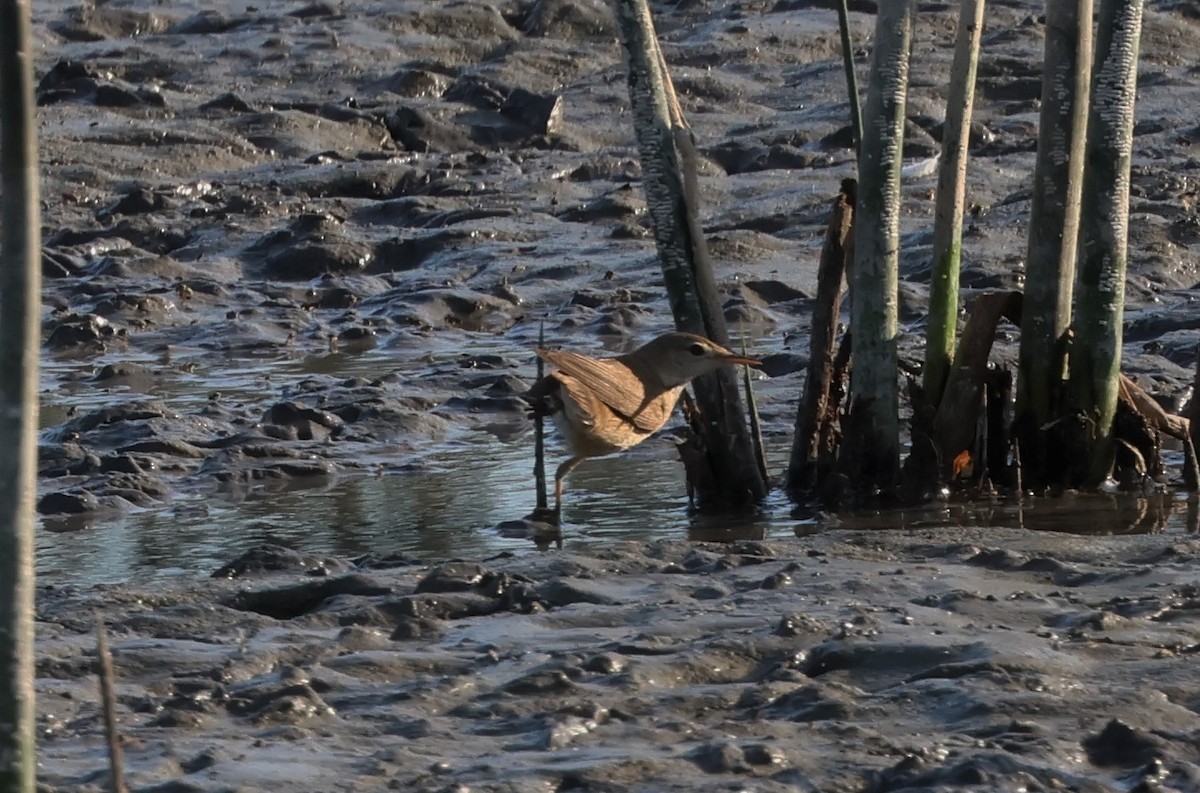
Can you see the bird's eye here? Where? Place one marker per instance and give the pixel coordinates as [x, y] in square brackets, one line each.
[696, 349]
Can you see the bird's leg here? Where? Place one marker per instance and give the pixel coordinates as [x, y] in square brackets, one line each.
[559, 475]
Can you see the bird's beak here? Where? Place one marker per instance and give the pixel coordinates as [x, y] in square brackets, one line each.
[733, 360]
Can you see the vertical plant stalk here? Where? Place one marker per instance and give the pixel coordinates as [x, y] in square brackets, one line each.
[951, 199]
[1104, 226]
[1053, 230]
[108, 701]
[668, 175]
[999, 385]
[814, 444]
[539, 434]
[20, 304]
[851, 75]
[756, 436]
[1193, 480]
[870, 452]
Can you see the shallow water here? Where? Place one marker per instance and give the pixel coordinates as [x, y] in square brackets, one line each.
[194, 256]
[454, 498]
[444, 509]
[456, 504]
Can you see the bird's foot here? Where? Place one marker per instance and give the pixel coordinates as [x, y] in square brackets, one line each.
[546, 515]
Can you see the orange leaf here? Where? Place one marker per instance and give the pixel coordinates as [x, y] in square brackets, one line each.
[963, 465]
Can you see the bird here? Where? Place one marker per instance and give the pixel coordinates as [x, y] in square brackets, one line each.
[601, 406]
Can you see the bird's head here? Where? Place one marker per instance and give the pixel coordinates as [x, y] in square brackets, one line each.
[676, 358]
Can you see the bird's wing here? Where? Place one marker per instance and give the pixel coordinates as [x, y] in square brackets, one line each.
[580, 403]
[616, 386]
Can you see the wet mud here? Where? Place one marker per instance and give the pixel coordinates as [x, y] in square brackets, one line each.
[297, 248]
[993, 659]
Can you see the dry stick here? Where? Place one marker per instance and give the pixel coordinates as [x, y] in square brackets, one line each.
[108, 701]
[1160, 420]
[674, 109]
[1017, 471]
[689, 167]
[706, 286]
[1194, 429]
[818, 405]
[981, 441]
[999, 385]
[843, 364]
[954, 424]
[1191, 465]
[539, 432]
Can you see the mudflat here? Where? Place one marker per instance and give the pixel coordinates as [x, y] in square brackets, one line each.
[289, 245]
[853, 661]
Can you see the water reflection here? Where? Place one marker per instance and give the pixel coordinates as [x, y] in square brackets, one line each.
[463, 503]
[451, 505]
[1095, 514]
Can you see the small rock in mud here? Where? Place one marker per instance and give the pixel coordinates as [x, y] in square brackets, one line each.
[74, 330]
[418, 629]
[1122, 745]
[452, 577]
[67, 503]
[269, 558]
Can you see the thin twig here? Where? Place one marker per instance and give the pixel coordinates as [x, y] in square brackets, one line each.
[851, 75]
[539, 431]
[108, 701]
[760, 454]
[1018, 472]
[674, 109]
[1192, 470]
[814, 439]
[1191, 466]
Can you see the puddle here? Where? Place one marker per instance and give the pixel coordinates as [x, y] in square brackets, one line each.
[450, 507]
[1093, 514]
[454, 498]
[454, 503]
